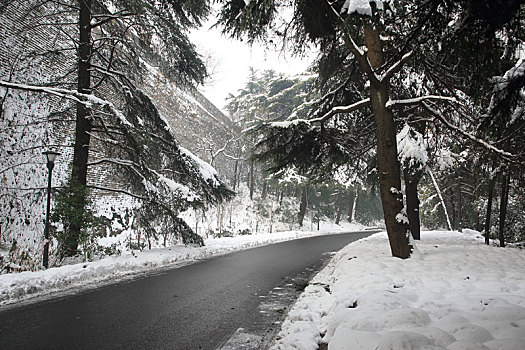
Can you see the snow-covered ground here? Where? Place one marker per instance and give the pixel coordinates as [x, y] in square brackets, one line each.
[15, 287]
[454, 293]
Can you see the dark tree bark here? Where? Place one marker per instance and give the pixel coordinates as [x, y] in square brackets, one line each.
[83, 125]
[489, 209]
[302, 206]
[387, 163]
[503, 208]
[339, 207]
[458, 204]
[251, 179]
[264, 189]
[476, 200]
[452, 203]
[412, 199]
[234, 185]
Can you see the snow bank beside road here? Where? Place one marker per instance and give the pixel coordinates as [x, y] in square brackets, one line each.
[455, 293]
[19, 286]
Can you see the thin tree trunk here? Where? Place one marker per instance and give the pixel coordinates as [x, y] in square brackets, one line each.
[436, 186]
[458, 204]
[83, 127]
[387, 163]
[449, 194]
[503, 208]
[264, 189]
[412, 199]
[302, 206]
[476, 200]
[489, 209]
[351, 206]
[339, 207]
[235, 174]
[251, 179]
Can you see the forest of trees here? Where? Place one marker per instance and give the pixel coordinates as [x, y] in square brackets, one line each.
[418, 106]
[451, 72]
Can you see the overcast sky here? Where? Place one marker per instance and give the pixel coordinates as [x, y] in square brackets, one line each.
[229, 62]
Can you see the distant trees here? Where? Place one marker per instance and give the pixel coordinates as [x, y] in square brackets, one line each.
[270, 98]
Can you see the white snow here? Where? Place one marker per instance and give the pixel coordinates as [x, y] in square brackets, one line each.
[411, 148]
[454, 293]
[206, 170]
[180, 190]
[15, 287]
[362, 7]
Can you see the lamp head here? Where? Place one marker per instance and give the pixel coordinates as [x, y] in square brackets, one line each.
[51, 155]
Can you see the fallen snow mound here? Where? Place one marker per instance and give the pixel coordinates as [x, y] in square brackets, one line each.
[454, 293]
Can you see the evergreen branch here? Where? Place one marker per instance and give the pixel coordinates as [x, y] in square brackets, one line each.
[122, 162]
[101, 188]
[108, 18]
[335, 110]
[506, 155]
[343, 109]
[358, 53]
[396, 67]
[418, 100]
[85, 99]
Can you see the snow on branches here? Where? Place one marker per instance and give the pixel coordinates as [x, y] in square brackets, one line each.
[509, 92]
[363, 7]
[411, 148]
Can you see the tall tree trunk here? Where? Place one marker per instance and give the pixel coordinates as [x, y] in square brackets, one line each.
[503, 208]
[302, 206]
[264, 189]
[412, 199]
[489, 209]
[449, 194]
[235, 168]
[83, 125]
[339, 207]
[436, 186]
[387, 162]
[476, 200]
[351, 205]
[251, 179]
[458, 204]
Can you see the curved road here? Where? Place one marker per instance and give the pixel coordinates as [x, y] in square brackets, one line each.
[198, 306]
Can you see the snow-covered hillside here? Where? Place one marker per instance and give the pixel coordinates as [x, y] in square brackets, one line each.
[455, 293]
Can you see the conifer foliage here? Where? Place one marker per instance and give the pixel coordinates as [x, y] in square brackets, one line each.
[417, 63]
[105, 49]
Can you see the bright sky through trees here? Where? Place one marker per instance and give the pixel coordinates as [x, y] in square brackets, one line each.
[230, 60]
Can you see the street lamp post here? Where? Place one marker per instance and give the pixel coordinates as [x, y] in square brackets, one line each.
[50, 155]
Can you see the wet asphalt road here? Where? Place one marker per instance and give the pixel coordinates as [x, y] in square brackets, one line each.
[191, 307]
